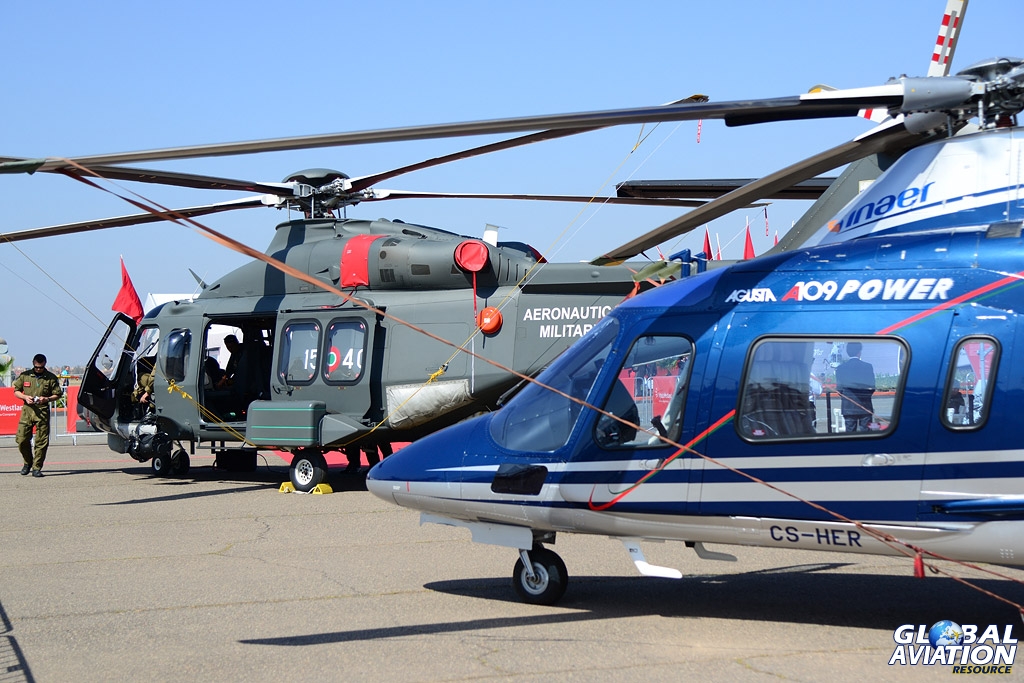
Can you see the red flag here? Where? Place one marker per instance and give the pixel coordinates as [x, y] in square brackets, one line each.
[707, 245]
[776, 237]
[127, 300]
[748, 246]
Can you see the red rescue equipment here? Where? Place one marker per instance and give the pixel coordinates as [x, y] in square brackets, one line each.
[489, 320]
[472, 256]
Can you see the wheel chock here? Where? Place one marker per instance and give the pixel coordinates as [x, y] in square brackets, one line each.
[287, 487]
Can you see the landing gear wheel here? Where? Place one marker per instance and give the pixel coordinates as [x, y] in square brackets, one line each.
[307, 470]
[161, 464]
[181, 463]
[550, 578]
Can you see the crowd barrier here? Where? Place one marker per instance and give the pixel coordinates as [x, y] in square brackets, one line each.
[63, 421]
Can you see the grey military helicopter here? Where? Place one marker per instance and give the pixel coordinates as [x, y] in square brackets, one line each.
[353, 333]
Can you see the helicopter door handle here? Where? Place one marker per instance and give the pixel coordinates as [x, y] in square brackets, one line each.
[878, 460]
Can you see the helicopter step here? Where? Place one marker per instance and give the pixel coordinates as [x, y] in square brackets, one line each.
[294, 423]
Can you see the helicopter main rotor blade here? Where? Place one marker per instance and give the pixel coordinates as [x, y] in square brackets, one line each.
[133, 219]
[146, 175]
[207, 182]
[906, 95]
[364, 182]
[886, 138]
[379, 194]
[708, 189]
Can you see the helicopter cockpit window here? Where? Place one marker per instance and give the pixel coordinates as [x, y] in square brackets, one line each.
[299, 344]
[540, 420]
[970, 384]
[145, 351]
[809, 388]
[649, 391]
[149, 337]
[179, 343]
[346, 345]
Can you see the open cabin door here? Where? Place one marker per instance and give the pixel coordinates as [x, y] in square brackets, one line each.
[108, 364]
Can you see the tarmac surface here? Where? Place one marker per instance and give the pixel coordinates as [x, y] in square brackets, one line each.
[108, 573]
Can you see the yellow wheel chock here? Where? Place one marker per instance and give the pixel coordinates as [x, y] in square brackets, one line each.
[318, 489]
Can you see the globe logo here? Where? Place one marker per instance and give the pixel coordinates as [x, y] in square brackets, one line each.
[946, 632]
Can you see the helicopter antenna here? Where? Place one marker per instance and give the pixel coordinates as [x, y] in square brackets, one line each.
[199, 280]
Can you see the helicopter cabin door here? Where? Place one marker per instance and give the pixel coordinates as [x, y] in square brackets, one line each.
[108, 364]
[650, 388]
[828, 411]
[977, 365]
[330, 362]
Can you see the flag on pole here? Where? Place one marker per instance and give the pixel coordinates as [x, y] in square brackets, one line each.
[776, 237]
[127, 300]
[699, 122]
[718, 239]
[766, 221]
[707, 245]
[748, 245]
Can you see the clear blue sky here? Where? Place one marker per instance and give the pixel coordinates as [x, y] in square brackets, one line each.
[85, 78]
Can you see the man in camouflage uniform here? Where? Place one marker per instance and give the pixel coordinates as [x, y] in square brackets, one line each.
[38, 388]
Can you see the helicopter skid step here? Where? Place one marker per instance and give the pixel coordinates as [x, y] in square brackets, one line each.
[646, 569]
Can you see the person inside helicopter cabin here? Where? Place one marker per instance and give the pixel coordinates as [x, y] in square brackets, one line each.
[143, 392]
[215, 386]
[215, 377]
[955, 405]
[233, 346]
[855, 381]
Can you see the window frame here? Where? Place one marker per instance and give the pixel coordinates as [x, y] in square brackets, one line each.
[898, 391]
[675, 428]
[285, 345]
[326, 351]
[989, 383]
[176, 352]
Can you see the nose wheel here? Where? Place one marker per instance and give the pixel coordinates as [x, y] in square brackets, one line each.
[161, 464]
[546, 583]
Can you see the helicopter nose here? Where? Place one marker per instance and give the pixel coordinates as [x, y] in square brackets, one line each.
[378, 481]
[429, 468]
[395, 472]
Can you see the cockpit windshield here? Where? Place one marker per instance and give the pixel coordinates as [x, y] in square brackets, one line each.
[538, 419]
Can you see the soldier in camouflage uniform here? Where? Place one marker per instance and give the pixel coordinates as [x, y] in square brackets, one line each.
[38, 388]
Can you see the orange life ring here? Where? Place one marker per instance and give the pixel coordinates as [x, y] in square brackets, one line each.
[489, 320]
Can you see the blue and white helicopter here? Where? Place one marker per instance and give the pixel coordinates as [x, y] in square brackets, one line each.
[854, 396]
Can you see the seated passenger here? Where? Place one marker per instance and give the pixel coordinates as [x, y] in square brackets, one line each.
[143, 392]
[216, 377]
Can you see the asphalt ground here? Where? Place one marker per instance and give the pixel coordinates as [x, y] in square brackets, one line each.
[108, 573]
